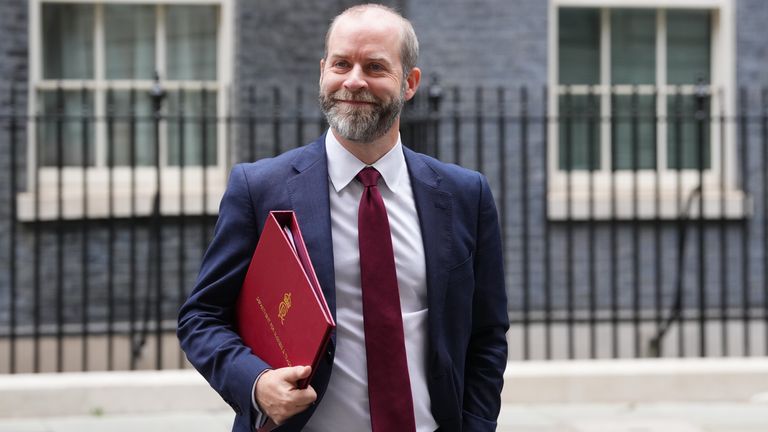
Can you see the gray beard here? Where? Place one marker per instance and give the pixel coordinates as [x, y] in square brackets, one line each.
[365, 124]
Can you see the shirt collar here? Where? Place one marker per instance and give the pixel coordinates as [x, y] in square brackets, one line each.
[343, 166]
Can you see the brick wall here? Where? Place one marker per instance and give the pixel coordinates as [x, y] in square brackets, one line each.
[466, 43]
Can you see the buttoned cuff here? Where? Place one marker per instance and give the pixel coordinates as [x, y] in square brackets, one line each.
[261, 418]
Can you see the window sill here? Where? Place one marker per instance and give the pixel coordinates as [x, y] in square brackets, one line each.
[646, 205]
[75, 205]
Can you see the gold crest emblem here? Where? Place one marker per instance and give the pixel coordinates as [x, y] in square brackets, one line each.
[284, 306]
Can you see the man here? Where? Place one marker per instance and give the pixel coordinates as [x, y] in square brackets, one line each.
[406, 248]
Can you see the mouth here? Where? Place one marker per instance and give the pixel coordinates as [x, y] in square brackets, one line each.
[355, 102]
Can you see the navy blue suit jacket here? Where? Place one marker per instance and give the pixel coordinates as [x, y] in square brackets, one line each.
[467, 301]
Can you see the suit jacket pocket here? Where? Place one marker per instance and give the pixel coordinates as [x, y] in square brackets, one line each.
[458, 307]
[461, 279]
[445, 402]
[465, 262]
[462, 270]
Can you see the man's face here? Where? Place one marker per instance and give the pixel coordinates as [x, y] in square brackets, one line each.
[362, 89]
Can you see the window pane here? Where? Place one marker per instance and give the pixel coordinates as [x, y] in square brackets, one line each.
[688, 51]
[579, 133]
[131, 142]
[634, 135]
[633, 46]
[130, 41]
[684, 138]
[65, 128]
[67, 37]
[191, 50]
[191, 127]
[579, 46]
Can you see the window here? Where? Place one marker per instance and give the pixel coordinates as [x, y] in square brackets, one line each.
[92, 66]
[631, 80]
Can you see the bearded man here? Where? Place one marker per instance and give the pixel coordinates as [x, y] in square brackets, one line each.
[407, 251]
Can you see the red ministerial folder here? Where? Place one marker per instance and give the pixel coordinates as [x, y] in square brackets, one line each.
[281, 312]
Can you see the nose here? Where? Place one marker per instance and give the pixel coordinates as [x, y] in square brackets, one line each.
[355, 79]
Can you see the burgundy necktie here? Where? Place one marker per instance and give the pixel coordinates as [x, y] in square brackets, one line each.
[389, 387]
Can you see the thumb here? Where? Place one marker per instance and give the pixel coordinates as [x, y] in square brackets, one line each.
[296, 373]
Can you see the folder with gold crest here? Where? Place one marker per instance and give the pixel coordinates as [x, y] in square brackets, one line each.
[282, 314]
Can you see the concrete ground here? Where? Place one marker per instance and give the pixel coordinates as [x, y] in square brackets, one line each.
[657, 417]
[661, 417]
[710, 395]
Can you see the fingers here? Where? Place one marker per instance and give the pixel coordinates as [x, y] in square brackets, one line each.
[277, 394]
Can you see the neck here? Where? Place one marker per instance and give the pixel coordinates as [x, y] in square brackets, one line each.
[370, 152]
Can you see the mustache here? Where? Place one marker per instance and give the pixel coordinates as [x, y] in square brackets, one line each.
[360, 96]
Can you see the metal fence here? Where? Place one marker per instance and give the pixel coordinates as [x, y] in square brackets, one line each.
[634, 220]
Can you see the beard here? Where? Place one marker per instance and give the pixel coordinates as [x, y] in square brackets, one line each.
[364, 123]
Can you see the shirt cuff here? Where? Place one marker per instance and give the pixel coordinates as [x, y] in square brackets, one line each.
[261, 418]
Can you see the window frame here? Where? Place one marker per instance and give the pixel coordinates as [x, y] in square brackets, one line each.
[47, 183]
[628, 194]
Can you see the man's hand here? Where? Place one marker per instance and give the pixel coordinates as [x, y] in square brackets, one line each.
[277, 394]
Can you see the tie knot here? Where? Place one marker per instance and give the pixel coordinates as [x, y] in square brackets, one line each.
[368, 176]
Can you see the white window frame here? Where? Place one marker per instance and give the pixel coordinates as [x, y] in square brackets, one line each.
[46, 184]
[569, 191]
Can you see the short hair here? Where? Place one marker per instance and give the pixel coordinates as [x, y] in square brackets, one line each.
[409, 44]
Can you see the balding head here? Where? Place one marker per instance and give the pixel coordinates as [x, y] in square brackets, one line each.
[409, 44]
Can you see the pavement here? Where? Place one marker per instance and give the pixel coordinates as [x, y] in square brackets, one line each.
[657, 417]
[705, 395]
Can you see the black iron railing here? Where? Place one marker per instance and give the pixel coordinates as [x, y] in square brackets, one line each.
[633, 220]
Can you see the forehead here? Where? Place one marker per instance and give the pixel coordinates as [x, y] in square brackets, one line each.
[371, 34]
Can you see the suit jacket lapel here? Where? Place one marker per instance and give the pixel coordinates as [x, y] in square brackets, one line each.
[434, 207]
[308, 191]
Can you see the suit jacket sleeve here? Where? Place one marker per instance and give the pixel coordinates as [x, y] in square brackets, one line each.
[487, 351]
[206, 327]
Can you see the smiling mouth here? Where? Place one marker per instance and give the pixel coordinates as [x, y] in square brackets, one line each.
[355, 102]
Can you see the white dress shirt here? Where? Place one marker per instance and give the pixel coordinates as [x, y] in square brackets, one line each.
[345, 404]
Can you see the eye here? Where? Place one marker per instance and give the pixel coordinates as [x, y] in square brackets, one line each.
[341, 64]
[376, 67]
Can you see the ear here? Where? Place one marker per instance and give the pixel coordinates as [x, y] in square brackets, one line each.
[412, 83]
[322, 68]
